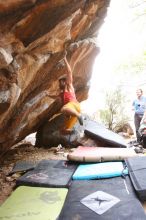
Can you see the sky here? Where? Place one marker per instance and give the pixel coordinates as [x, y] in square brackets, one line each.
[118, 40]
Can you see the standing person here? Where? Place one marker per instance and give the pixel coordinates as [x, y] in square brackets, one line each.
[139, 106]
[71, 107]
[142, 130]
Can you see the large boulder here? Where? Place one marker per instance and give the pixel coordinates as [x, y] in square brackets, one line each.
[50, 134]
[33, 37]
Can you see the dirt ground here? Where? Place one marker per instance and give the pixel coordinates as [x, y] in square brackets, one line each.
[24, 151]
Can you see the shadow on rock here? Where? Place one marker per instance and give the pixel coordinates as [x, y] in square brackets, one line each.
[49, 134]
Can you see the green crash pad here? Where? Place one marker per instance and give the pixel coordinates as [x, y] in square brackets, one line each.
[33, 203]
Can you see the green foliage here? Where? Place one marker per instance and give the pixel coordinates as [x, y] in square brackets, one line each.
[132, 66]
[128, 70]
[114, 113]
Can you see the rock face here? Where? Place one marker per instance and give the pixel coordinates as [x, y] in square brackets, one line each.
[49, 134]
[33, 37]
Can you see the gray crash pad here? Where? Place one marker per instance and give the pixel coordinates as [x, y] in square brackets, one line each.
[99, 132]
[49, 173]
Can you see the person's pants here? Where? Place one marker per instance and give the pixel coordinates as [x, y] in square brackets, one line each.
[137, 120]
[71, 120]
[144, 140]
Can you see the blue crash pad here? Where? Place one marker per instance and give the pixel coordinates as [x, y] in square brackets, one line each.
[99, 170]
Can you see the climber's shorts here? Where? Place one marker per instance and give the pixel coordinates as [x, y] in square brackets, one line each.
[73, 105]
[71, 120]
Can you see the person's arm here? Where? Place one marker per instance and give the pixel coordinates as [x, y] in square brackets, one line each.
[69, 73]
[53, 94]
[133, 106]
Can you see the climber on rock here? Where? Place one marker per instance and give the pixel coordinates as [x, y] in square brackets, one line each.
[71, 107]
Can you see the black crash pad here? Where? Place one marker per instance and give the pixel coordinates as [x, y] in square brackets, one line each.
[22, 166]
[118, 200]
[99, 132]
[49, 173]
[137, 172]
